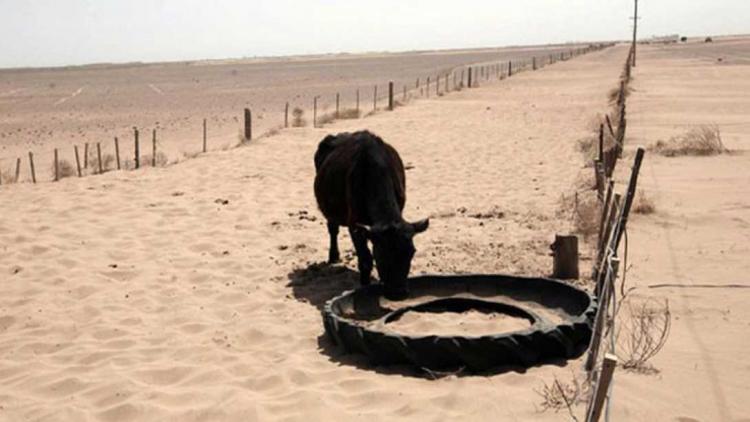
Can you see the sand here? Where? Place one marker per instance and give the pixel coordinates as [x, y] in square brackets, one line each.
[193, 292]
[43, 109]
[693, 251]
[187, 293]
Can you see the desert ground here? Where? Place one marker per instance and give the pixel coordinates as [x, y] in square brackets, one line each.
[43, 109]
[193, 292]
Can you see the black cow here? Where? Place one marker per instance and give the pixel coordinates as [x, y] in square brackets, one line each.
[360, 184]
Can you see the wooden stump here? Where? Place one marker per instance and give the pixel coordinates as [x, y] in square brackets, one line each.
[565, 253]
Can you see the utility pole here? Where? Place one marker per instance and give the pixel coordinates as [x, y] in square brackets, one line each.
[635, 29]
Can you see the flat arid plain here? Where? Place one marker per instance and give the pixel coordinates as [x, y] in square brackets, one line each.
[43, 109]
[193, 292]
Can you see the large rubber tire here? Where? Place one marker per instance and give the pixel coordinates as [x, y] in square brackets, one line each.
[544, 340]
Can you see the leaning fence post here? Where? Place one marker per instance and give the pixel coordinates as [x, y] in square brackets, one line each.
[390, 95]
[286, 115]
[600, 319]
[18, 169]
[99, 156]
[137, 150]
[57, 167]
[78, 160]
[248, 125]
[117, 152]
[153, 149]
[602, 388]
[31, 164]
[205, 146]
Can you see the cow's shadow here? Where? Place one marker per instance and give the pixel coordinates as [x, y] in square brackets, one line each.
[320, 282]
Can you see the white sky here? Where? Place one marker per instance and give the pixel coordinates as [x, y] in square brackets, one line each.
[62, 32]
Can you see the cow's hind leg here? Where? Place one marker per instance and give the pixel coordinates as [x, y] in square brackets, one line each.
[364, 258]
[333, 251]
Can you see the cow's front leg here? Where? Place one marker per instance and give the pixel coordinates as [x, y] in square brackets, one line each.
[333, 251]
[364, 258]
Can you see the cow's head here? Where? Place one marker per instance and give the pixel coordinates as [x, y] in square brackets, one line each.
[393, 249]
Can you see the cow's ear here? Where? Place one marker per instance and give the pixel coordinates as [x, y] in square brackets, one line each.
[420, 225]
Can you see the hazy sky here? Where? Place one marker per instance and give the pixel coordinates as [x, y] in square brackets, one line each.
[60, 32]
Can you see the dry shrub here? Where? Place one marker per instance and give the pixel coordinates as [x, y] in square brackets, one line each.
[641, 333]
[7, 177]
[699, 141]
[325, 119]
[589, 148]
[298, 119]
[65, 169]
[585, 211]
[614, 93]
[161, 160]
[560, 395]
[349, 113]
[643, 204]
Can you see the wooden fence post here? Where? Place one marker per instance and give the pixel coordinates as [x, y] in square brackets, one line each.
[248, 125]
[565, 262]
[78, 160]
[153, 148]
[510, 68]
[18, 169]
[99, 156]
[357, 101]
[404, 94]
[447, 87]
[375, 98]
[427, 87]
[390, 95]
[533, 63]
[468, 83]
[205, 136]
[137, 150]
[602, 388]
[437, 85]
[337, 105]
[57, 168]
[86, 155]
[286, 115]
[315, 111]
[31, 164]
[117, 153]
[601, 142]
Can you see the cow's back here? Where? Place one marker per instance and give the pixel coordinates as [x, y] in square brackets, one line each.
[343, 164]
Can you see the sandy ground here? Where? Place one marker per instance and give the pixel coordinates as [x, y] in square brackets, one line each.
[43, 109]
[696, 243]
[192, 293]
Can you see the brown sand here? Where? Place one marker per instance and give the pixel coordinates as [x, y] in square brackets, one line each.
[694, 249]
[43, 109]
[470, 323]
[145, 296]
[138, 296]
